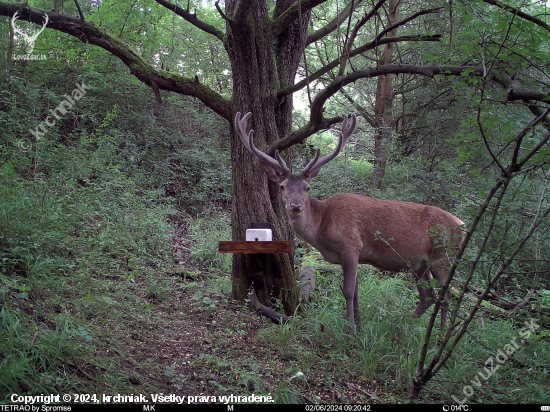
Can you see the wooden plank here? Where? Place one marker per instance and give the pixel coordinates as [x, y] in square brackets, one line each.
[256, 247]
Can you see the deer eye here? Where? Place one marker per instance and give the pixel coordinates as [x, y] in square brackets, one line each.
[282, 187]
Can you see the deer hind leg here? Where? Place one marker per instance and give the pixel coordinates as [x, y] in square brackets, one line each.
[426, 294]
[356, 313]
[440, 274]
[349, 267]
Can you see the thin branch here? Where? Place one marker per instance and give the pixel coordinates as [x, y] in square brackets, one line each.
[79, 10]
[405, 21]
[369, 46]
[303, 47]
[192, 18]
[486, 141]
[415, 112]
[333, 25]
[318, 122]
[536, 222]
[514, 165]
[518, 13]
[362, 110]
[347, 47]
[220, 11]
[423, 375]
[533, 151]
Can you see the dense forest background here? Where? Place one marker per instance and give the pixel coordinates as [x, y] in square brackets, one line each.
[110, 276]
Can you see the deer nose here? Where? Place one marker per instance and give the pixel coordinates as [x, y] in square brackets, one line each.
[296, 207]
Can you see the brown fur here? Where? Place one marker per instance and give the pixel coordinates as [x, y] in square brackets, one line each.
[349, 229]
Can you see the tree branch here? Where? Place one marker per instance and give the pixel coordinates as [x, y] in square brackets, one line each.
[286, 18]
[514, 94]
[318, 122]
[220, 11]
[192, 18]
[79, 10]
[346, 53]
[369, 46]
[333, 25]
[144, 71]
[518, 13]
[362, 110]
[379, 40]
[404, 21]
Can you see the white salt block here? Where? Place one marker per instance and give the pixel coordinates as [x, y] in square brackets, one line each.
[263, 235]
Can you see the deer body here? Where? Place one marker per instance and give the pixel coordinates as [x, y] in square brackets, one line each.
[349, 229]
[368, 222]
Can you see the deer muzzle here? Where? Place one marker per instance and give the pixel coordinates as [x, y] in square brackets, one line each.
[296, 207]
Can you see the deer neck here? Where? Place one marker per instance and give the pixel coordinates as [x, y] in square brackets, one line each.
[306, 224]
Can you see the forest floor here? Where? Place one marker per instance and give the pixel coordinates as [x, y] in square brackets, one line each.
[196, 341]
[223, 351]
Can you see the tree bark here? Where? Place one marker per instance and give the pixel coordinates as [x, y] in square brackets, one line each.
[261, 64]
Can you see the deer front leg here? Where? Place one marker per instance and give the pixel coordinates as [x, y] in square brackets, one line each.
[349, 267]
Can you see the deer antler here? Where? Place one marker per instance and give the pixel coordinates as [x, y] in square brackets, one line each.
[315, 165]
[277, 164]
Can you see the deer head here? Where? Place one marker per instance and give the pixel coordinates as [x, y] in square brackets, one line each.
[295, 187]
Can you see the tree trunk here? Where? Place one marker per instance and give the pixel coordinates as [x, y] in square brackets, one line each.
[261, 65]
[383, 106]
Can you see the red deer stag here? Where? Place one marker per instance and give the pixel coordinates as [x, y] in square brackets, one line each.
[349, 229]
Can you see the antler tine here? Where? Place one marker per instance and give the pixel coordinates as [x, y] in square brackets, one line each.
[307, 169]
[240, 125]
[284, 167]
[46, 20]
[35, 35]
[347, 129]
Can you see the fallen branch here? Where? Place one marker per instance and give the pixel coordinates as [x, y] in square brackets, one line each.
[498, 306]
[525, 300]
[484, 304]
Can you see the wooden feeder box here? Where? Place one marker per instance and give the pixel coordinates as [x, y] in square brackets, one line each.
[258, 240]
